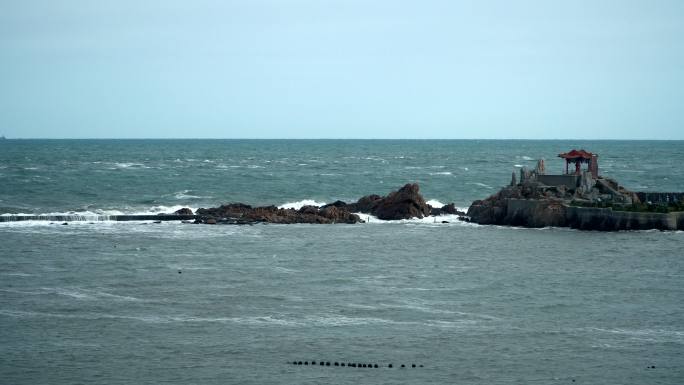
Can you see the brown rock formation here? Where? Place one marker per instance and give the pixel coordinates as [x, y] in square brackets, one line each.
[184, 211]
[404, 203]
[401, 204]
[238, 213]
[533, 204]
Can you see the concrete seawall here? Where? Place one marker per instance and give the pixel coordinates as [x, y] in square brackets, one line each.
[660, 197]
[588, 218]
[543, 213]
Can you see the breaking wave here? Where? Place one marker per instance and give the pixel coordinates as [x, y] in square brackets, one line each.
[299, 204]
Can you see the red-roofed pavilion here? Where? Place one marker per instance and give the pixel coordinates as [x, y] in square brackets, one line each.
[578, 157]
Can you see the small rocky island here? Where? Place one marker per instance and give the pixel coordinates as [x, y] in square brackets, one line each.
[580, 199]
[405, 203]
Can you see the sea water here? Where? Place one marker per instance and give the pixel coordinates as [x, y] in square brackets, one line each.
[139, 302]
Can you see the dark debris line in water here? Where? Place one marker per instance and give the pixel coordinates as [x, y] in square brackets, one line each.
[351, 364]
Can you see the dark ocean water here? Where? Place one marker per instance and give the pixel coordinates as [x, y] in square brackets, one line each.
[105, 303]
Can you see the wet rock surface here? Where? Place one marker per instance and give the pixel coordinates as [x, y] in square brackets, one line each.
[405, 203]
[183, 211]
[238, 213]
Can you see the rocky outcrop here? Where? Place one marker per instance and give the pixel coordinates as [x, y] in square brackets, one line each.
[518, 212]
[402, 204]
[446, 209]
[405, 203]
[238, 213]
[534, 205]
[183, 211]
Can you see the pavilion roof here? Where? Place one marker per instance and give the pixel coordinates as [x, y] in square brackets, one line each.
[574, 154]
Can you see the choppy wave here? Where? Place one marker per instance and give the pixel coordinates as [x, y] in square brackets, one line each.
[480, 184]
[299, 204]
[104, 215]
[435, 203]
[85, 216]
[153, 210]
[659, 334]
[75, 293]
[127, 165]
[431, 220]
[266, 320]
[188, 194]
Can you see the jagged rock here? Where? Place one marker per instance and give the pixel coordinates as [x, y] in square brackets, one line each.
[339, 214]
[309, 210]
[451, 209]
[401, 204]
[446, 209]
[404, 203]
[335, 204]
[184, 211]
[366, 204]
[238, 213]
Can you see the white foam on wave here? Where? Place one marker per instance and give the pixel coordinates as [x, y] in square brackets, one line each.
[154, 210]
[266, 320]
[657, 333]
[186, 194]
[73, 215]
[155, 319]
[480, 184]
[69, 293]
[429, 220]
[126, 165]
[404, 306]
[17, 274]
[299, 204]
[441, 173]
[87, 216]
[160, 209]
[75, 293]
[525, 157]
[339, 320]
[435, 203]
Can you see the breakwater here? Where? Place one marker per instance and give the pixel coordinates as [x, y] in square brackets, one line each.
[546, 212]
[96, 218]
[583, 200]
[660, 197]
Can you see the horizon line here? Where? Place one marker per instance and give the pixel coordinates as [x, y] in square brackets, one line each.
[378, 139]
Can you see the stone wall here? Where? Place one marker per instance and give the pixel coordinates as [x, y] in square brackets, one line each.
[589, 218]
[543, 213]
[569, 181]
[660, 197]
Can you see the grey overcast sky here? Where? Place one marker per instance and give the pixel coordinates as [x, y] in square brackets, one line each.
[610, 69]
